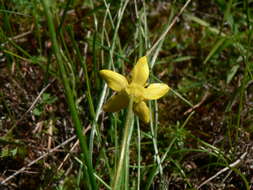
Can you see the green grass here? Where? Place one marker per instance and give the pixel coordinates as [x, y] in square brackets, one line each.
[201, 126]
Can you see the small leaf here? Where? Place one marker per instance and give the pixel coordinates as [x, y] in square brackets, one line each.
[14, 151]
[37, 112]
[232, 73]
[216, 49]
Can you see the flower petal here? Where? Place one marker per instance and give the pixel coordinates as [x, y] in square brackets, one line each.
[156, 91]
[116, 102]
[140, 71]
[142, 110]
[114, 80]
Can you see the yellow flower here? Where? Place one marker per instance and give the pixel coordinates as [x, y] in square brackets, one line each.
[136, 89]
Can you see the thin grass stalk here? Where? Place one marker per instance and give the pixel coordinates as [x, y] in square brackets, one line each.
[116, 143]
[124, 146]
[110, 63]
[126, 181]
[14, 44]
[163, 35]
[246, 75]
[154, 172]
[64, 14]
[37, 27]
[120, 16]
[154, 140]
[70, 99]
[139, 156]
[90, 102]
[125, 172]
[87, 80]
[93, 114]
[250, 35]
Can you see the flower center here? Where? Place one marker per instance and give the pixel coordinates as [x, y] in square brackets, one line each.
[137, 91]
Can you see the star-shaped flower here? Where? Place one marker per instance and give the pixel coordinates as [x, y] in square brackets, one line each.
[136, 89]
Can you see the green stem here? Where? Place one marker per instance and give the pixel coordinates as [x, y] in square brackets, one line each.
[124, 146]
[70, 99]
